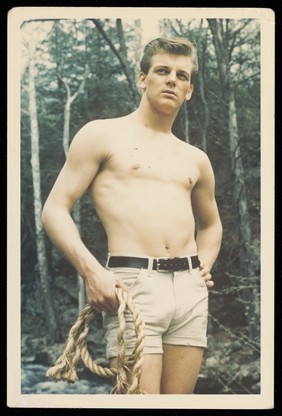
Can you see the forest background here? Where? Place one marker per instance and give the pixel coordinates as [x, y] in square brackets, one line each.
[75, 71]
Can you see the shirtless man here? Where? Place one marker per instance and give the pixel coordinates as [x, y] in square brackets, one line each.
[151, 192]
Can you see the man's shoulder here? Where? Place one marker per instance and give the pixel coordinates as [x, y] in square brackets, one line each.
[103, 128]
[192, 150]
[96, 133]
[96, 126]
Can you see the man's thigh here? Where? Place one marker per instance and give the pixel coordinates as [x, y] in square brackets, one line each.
[181, 366]
[151, 373]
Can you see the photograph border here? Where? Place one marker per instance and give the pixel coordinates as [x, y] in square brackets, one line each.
[263, 400]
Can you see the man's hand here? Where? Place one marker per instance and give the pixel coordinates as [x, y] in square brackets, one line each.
[100, 291]
[205, 273]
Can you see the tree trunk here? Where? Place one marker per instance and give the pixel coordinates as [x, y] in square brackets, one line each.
[123, 49]
[220, 39]
[201, 85]
[247, 267]
[186, 123]
[122, 59]
[66, 138]
[52, 326]
[137, 46]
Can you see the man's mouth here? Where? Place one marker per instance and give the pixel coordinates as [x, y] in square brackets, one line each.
[169, 92]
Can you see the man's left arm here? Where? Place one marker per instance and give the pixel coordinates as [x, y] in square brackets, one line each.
[209, 228]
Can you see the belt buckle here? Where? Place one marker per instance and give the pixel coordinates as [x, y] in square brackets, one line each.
[171, 264]
[159, 264]
[166, 264]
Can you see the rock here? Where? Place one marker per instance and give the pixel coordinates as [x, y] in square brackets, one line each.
[211, 362]
[235, 346]
[34, 381]
[26, 345]
[224, 360]
[42, 358]
[54, 352]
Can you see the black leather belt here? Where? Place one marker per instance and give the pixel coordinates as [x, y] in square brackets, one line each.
[162, 265]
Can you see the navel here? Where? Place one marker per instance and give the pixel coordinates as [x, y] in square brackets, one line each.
[190, 180]
[135, 167]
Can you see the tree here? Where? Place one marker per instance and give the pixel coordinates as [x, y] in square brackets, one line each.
[202, 45]
[121, 55]
[36, 179]
[66, 80]
[225, 39]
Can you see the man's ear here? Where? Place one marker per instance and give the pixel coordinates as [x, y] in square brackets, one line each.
[189, 92]
[142, 81]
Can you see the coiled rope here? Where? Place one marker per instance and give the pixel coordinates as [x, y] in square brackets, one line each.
[128, 372]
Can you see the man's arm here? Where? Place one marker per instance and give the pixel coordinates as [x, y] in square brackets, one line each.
[85, 156]
[209, 228]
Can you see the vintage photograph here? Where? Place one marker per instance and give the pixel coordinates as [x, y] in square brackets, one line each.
[140, 149]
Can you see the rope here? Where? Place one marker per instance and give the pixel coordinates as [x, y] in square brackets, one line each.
[128, 372]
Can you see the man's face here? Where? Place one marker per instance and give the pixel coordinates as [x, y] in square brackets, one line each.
[168, 82]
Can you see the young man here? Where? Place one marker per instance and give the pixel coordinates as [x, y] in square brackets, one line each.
[151, 191]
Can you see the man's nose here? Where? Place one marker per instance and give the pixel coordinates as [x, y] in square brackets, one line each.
[171, 78]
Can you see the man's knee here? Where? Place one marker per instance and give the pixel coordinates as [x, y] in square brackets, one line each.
[150, 375]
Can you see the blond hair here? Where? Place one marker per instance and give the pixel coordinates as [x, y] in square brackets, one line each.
[178, 46]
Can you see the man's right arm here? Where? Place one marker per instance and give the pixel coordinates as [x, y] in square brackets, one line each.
[86, 153]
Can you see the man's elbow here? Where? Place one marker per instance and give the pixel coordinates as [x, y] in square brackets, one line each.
[215, 228]
[54, 211]
[214, 225]
[48, 212]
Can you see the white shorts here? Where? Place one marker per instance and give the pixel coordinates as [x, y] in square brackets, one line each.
[173, 306]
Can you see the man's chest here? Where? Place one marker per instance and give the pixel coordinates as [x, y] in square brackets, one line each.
[167, 163]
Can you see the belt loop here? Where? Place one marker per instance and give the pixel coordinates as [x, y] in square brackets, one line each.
[107, 262]
[190, 264]
[150, 263]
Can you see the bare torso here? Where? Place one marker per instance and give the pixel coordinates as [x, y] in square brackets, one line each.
[142, 191]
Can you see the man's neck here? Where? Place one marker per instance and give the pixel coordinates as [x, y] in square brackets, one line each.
[154, 120]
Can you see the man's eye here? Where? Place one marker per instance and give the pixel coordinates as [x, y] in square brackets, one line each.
[183, 76]
[162, 71]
